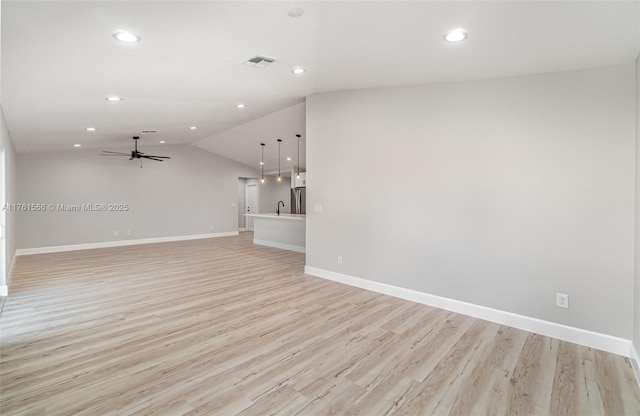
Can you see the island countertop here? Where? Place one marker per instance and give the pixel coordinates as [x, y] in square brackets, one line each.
[299, 217]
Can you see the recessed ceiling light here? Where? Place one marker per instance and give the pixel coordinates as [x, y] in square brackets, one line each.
[127, 37]
[161, 141]
[240, 105]
[298, 70]
[295, 12]
[113, 98]
[288, 159]
[90, 129]
[456, 35]
[261, 163]
[192, 128]
[77, 145]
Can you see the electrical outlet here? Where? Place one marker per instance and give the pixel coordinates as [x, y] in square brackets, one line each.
[562, 300]
[115, 233]
[339, 259]
[128, 232]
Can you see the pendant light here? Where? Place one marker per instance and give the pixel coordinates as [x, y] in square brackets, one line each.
[262, 163]
[279, 179]
[298, 175]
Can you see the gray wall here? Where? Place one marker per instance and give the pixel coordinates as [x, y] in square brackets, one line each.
[272, 191]
[519, 188]
[193, 193]
[636, 338]
[9, 176]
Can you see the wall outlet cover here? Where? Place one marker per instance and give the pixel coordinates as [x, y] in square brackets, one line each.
[562, 300]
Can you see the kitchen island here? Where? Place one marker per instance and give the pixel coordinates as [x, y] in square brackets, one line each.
[286, 231]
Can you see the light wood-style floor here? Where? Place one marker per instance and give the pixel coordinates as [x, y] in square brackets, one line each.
[220, 327]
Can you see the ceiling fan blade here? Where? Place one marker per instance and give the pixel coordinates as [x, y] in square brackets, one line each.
[114, 153]
[159, 157]
[151, 158]
[105, 154]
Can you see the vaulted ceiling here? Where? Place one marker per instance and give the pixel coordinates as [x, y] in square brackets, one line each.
[60, 61]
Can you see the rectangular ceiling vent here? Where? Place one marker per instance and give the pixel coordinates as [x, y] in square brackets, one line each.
[260, 61]
[149, 131]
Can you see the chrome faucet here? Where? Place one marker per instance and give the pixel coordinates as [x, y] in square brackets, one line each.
[278, 209]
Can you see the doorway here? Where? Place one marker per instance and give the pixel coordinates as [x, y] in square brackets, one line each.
[251, 203]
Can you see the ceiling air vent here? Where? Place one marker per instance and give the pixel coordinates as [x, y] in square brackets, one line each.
[259, 61]
[149, 131]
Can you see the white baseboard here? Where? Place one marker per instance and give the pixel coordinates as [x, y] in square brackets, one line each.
[241, 229]
[4, 290]
[615, 345]
[635, 362]
[283, 246]
[119, 243]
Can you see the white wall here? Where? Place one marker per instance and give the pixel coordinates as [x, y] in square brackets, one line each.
[272, 191]
[519, 188]
[193, 193]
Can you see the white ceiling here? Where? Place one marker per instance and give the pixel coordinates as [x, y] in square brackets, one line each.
[59, 62]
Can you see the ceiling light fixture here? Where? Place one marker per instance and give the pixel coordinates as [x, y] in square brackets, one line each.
[288, 159]
[240, 105]
[298, 175]
[161, 141]
[126, 37]
[193, 128]
[77, 145]
[90, 129]
[298, 70]
[456, 35]
[279, 179]
[262, 163]
[114, 98]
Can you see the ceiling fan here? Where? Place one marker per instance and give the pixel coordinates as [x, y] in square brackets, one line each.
[134, 153]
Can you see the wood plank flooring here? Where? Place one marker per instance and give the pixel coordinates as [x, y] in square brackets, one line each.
[222, 327]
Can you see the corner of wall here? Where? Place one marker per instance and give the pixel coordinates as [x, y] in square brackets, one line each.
[635, 347]
[10, 196]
